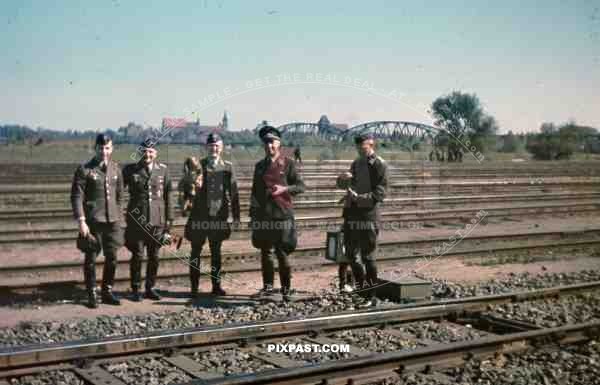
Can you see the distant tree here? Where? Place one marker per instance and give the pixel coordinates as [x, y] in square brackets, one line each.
[461, 114]
[512, 143]
[548, 128]
[552, 144]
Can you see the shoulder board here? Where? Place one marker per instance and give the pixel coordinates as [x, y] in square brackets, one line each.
[228, 163]
[379, 158]
[162, 165]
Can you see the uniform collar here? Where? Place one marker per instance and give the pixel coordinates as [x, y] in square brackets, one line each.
[371, 158]
[214, 161]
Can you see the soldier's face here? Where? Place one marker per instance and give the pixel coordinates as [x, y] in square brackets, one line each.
[215, 149]
[150, 155]
[104, 152]
[366, 148]
[272, 147]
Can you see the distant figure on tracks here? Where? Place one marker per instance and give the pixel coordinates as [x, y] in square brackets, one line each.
[149, 217]
[216, 191]
[298, 154]
[367, 179]
[96, 199]
[274, 184]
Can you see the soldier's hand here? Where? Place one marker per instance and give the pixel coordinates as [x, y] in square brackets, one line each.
[352, 193]
[346, 175]
[83, 228]
[198, 181]
[278, 190]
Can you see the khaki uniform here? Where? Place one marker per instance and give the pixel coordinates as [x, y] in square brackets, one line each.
[149, 212]
[97, 195]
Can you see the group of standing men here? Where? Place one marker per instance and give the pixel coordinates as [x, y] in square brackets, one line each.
[97, 200]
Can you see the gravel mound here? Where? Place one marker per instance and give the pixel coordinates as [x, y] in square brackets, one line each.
[147, 371]
[440, 331]
[106, 326]
[231, 361]
[578, 308]
[50, 378]
[571, 365]
[375, 340]
[442, 289]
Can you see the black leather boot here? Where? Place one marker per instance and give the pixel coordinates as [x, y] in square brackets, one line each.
[136, 296]
[108, 296]
[217, 289]
[89, 275]
[152, 294]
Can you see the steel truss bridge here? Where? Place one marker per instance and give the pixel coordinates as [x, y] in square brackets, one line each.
[401, 131]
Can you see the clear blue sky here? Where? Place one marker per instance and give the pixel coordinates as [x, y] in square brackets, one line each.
[67, 65]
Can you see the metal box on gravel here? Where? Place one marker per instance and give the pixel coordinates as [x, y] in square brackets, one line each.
[405, 289]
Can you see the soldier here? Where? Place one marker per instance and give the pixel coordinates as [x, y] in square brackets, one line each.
[216, 191]
[149, 216]
[271, 212]
[367, 181]
[96, 199]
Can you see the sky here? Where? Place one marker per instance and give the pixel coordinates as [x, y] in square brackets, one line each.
[100, 64]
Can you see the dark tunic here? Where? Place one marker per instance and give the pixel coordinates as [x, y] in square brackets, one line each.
[212, 203]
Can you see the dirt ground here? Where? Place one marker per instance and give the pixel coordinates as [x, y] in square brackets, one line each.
[453, 269]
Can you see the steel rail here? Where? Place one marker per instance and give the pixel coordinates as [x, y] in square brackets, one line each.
[46, 354]
[326, 221]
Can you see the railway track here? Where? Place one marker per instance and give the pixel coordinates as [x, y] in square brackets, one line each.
[51, 279]
[68, 232]
[306, 206]
[184, 351]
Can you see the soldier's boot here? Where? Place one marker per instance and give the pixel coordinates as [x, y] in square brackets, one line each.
[108, 297]
[89, 275]
[108, 278]
[371, 268]
[136, 294]
[359, 277]
[346, 279]
[217, 289]
[285, 276]
[151, 273]
[215, 262]
[194, 279]
[286, 285]
[135, 274]
[268, 270]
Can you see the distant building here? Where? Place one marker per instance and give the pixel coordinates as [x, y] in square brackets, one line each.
[180, 130]
[225, 121]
